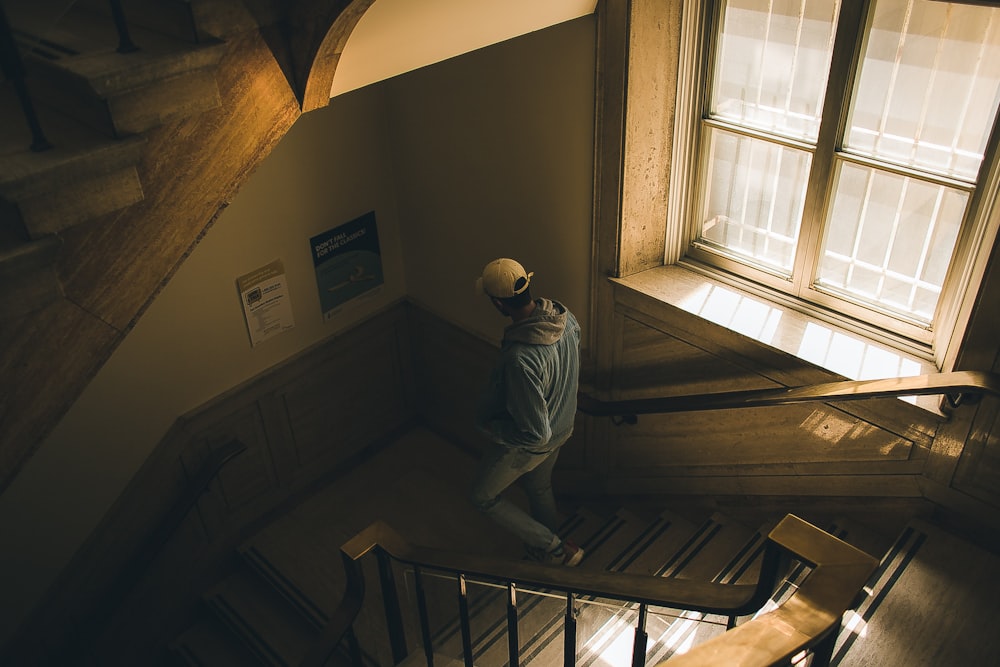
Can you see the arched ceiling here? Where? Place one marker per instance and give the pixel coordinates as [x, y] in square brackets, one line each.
[397, 36]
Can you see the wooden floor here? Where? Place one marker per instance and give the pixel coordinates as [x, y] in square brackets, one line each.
[933, 603]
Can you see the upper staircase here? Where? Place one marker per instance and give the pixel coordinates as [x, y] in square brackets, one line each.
[148, 123]
[93, 98]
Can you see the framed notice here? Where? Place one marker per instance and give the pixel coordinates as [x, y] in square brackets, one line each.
[266, 305]
[348, 263]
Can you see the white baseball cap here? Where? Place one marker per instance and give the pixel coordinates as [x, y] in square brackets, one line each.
[503, 278]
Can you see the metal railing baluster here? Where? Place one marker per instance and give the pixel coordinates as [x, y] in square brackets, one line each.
[641, 638]
[823, 651]
[513, 645]
[463, 614]
[125, 44]
[425, 626]
[569, 633]
[393, 612]
[354, 648]
[13, 69]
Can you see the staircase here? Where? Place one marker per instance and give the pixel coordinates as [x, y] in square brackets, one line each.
[93, 104]
[270, 609]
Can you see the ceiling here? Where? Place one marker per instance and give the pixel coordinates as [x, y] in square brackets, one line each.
[397, 36]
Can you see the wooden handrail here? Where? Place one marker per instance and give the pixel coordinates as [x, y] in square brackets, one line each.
[703, 596]
[958, 386]
[808, 619]
[802, 622]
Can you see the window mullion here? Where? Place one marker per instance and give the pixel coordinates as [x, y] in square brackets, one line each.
[846, 54]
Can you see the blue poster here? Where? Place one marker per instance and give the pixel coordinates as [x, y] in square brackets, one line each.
[348, 262]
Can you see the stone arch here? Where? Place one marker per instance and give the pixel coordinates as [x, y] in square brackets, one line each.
[331, 36]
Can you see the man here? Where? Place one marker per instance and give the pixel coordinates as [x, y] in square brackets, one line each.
[527, 410]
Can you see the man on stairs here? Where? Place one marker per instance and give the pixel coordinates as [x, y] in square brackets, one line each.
[527, 410]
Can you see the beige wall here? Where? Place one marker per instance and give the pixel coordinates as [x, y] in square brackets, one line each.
[488, 154]
[495, 158]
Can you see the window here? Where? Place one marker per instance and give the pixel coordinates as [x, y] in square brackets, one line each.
[843, 153]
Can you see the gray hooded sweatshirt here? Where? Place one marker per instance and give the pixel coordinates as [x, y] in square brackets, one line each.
[530, 401]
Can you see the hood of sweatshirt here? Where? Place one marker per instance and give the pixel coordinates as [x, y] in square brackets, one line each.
[544, 326]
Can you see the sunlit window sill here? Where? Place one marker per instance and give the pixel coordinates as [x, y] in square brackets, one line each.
[846, 353]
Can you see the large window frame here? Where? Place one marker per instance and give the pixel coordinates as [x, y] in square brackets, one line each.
[977, 234]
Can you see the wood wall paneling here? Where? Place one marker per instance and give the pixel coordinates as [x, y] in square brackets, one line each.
[772, 365]
[451, 366]
[347, 401]
[978, 470]
[654, 363]
[807, 433]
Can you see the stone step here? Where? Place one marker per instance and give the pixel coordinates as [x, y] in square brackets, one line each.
[262, 619]
[209, 643]
[73, 65]
[81, 177]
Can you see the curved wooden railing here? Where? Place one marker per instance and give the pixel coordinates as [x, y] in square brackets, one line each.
[959, 387]
[132, 570]
[806, 621]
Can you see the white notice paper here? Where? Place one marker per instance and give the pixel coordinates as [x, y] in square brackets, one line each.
[266, 305]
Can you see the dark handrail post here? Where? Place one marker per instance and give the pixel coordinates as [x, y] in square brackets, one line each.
[13, 69]
[425, 626]
[354, 648]
[393, 612]
[823, 651]
[641, 639]
[513, 645]
[125, 44]
[569, 633]
[463, 614]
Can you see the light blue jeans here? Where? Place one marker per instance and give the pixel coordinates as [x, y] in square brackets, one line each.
[500, 467]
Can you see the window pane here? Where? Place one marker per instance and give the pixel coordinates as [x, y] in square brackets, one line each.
[890, 239]
[772, 64]
[929, 86]
[753, 200]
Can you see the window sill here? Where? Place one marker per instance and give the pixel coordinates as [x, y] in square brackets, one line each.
[817, 342]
